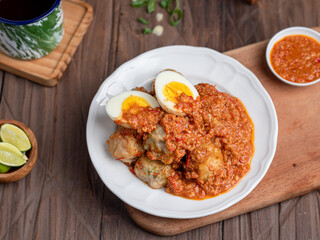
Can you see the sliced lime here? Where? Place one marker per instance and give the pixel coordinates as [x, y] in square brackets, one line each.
[12, 134]
[4, 168]
[10, 148]
[11, 156]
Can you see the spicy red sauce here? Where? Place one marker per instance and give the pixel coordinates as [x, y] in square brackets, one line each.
[211, 146]
[296, 58]
[221, 120]
[142, 119]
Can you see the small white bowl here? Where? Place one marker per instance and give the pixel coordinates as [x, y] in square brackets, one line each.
[287, 32]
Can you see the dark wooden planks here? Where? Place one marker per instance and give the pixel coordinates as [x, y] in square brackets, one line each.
[20, 200]
[58, 199]
[252, 1]
[1, 82]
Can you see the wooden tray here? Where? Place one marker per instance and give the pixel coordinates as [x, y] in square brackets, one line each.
[295, 169]
[49, 69]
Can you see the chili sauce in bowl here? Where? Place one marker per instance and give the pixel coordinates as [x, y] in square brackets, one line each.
[293, 55]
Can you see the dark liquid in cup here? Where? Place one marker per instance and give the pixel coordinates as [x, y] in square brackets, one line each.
[21, 10]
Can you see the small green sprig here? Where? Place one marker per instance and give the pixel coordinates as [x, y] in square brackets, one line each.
[139, 3]
[147, 30]
[173, 11]
[174, 22]
[151, 6]
[143, 21]
[172, 7]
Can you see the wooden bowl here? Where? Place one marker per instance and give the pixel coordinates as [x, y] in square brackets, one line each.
[17, 173]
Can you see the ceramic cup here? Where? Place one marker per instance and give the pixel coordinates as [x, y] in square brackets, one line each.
[34, 38]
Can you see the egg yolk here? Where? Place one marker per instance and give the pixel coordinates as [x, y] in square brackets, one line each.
[174, 89]
[134, 102]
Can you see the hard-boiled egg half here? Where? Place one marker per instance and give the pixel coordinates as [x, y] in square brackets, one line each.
[169, 85]
[127, 100]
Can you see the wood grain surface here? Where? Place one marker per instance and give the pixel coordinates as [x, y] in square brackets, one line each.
[252, 1]
[63, 197]
[293, 172]
[49, 69]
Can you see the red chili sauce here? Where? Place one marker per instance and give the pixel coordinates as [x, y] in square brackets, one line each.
[210, 148]
[144, 120]
[218, 146]
[296, 58]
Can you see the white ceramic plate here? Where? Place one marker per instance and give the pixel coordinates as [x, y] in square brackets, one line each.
[284, 33]
[198, 65]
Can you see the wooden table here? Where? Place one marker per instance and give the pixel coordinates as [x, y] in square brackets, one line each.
[63, 197]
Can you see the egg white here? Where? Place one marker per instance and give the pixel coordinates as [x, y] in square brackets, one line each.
[114, 105]
[164, 78]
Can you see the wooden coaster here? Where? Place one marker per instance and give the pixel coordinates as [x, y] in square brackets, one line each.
[49, 69]
[296, 166]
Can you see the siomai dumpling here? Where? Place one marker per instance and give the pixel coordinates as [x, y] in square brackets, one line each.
[124, 146]
[205, 160]
[156, 147]
[154, 173]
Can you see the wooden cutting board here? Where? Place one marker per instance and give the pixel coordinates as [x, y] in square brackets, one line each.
[49, 69]
[295, 169]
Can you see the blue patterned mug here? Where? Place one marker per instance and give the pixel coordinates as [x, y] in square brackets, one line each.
[31, 38]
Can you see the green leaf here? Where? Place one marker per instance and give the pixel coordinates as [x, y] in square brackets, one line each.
[151, 6]
[139, 3]
[174, 22]
[170, 10]
[164, 3]
[146, 31]
[143, 21]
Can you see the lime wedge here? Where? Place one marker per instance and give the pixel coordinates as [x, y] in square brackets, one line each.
[11, 156]
[7, 147]
[12, 134]
[4, 168]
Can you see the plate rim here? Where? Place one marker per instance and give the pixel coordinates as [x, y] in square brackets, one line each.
[253, 79]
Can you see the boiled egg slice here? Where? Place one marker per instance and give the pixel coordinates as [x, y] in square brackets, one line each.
[169, 85]
[127, 100]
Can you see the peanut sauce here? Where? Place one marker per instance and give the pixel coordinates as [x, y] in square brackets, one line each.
[212, 145]
[296, 58]
[216, 117]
